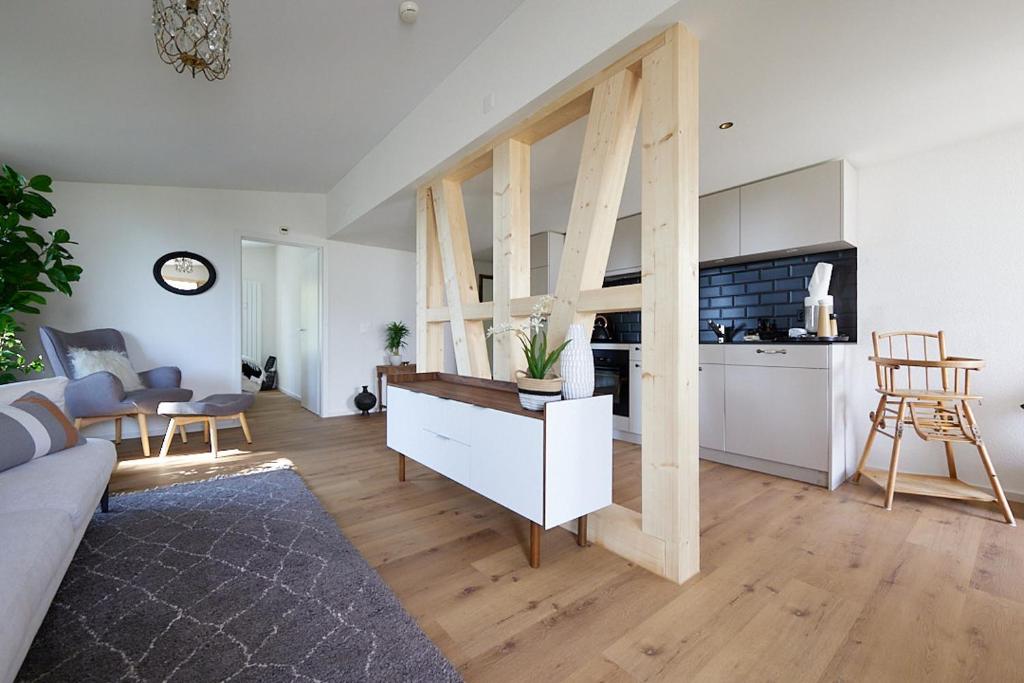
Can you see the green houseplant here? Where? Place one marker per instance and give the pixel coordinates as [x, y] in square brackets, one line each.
[395, 334]
[537, 385]
[30, 265]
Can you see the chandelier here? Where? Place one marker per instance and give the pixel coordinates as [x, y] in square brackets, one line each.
[193, 35]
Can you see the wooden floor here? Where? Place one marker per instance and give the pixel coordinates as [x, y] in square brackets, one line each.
[797, 584]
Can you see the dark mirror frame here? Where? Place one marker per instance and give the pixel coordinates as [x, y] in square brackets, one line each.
[158, 265]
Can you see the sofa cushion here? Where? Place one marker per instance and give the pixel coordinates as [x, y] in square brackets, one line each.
[37, 545]
[33, 426]
[70, 481]
[50, 387]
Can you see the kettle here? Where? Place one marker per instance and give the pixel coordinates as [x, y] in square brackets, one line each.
[601, 332]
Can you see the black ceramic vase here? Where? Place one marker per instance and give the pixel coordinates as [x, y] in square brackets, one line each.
[365, 401]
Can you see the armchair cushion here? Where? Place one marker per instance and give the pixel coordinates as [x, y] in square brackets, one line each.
[146, 401]
[161, 378]
[85, 362]
[99, 394]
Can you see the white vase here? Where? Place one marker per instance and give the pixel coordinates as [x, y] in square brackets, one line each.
[577, 364]
[395, 359]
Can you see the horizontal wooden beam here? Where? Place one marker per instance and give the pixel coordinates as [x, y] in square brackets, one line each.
[605, 300]
[571, 106]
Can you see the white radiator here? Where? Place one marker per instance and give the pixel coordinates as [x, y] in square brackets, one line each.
[252, 321]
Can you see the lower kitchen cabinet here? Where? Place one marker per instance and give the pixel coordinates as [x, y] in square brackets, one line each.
[778, 414]
[711, 392]
[777, 409]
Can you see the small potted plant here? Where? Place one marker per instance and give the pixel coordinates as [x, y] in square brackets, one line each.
[395, 332]
[537, 385]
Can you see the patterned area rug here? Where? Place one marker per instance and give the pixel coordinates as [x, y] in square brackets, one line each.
[238, 579]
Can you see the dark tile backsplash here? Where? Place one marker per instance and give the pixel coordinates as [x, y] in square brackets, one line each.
[738, 295]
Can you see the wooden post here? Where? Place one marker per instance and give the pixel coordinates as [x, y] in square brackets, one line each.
[671, 505]
[607, 144]
[459, 279]
[511, 207]
[429, 289]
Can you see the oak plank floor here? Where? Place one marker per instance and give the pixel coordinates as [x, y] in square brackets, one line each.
[797, 584]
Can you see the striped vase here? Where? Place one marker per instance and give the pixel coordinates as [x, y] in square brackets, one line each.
[577, 365]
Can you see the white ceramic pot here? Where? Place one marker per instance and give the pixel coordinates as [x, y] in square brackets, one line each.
[534, 393]
[395, 359]
[577, 365]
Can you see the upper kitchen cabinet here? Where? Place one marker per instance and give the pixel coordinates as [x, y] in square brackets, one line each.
[799, 210]
[720, 225]
[624, 256]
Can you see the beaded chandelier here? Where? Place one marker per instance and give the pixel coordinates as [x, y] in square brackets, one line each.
[193, 35]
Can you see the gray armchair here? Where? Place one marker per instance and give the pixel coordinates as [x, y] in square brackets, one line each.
[101, 396]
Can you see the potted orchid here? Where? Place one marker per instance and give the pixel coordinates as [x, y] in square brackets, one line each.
[537, 385]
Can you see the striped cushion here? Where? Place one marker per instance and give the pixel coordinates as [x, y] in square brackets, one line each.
[31, 427]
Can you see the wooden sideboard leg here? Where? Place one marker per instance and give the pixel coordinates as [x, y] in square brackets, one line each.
[401, 467]
[581, 531]
[534, 544]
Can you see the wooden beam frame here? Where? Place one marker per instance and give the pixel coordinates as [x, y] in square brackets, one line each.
[429, 286]
[658, 84]
[511, 208]
[459, 278]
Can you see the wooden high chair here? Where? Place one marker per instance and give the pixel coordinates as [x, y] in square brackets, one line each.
[931, 392]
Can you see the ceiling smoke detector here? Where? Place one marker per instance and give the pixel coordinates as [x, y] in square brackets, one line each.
[408, 11]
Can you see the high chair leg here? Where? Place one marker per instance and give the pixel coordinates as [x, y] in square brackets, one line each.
[950, 461]
[890, 488]
[993, 479]
[879, 413]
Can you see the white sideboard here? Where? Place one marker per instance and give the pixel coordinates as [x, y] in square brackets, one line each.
[776, 408]
[550, 467]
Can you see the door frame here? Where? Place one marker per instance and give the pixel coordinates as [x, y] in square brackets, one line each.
[322, 334]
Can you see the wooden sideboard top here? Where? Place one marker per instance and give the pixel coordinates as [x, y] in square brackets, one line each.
[487, 393]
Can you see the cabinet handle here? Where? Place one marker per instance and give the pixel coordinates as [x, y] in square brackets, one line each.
[440, 436]
[773, 351]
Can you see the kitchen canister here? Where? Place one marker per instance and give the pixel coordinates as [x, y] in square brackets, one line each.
[577, 365]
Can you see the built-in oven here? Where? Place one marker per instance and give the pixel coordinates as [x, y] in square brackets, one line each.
[611, 376]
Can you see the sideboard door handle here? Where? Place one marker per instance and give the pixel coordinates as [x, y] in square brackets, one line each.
[773, 351]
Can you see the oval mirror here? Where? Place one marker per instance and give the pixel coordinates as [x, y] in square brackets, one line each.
[183, 272]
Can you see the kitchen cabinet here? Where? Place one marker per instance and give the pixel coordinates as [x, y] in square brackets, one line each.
[778, 414]
[776, 408]
[720, 225]
[711, 396]
[793, 211]
[545, 257]
[636, 378]
[625, 253]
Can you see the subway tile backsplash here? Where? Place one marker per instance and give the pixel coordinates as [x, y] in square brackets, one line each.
[737, 296]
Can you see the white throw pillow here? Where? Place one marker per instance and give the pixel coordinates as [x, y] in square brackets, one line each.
[85, 362]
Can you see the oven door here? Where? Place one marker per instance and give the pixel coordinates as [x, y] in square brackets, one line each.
[611, 377]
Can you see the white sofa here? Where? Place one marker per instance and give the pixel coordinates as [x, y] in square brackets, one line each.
[45, 507]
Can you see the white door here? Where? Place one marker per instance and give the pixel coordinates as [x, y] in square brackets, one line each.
[309, 330]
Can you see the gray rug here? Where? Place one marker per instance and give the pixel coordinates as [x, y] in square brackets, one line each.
[238, 579]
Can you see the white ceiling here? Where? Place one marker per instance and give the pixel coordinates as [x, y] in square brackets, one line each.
[804, 81]
[313, 86]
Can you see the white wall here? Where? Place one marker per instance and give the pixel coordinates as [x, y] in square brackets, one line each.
[367, 287]
[122, 229]
[940, 237]
[259, 264]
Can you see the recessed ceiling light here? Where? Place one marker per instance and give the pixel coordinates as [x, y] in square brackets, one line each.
[725, 125]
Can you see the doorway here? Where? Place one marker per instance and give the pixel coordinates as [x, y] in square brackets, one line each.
[280, 320]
